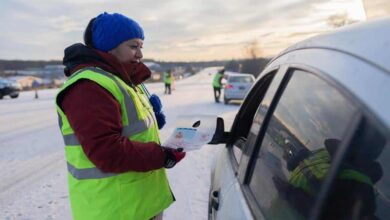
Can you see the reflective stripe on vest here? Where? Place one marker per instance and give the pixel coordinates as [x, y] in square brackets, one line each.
[87, 173]
[355, 175]
[135, 128]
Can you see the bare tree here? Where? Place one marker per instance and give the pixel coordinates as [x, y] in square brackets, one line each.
[254, 62]
[253, 49]
[340, 19]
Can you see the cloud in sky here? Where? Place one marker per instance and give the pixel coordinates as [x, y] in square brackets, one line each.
[175, 30]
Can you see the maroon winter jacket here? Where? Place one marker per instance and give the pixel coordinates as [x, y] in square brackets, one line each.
[95, 115]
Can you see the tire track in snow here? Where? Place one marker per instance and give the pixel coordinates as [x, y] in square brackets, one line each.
[29, 172]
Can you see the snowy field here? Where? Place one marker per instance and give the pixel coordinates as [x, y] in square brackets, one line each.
[33, 182]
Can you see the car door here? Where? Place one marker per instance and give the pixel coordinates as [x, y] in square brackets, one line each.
[284, 171]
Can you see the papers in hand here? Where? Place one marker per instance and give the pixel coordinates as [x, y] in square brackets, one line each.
[188, 138]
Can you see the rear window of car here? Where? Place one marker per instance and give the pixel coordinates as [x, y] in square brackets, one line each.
[240, 79]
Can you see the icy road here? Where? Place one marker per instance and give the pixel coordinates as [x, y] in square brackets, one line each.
[33, 182]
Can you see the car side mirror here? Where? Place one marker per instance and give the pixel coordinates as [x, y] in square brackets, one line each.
[220, 136]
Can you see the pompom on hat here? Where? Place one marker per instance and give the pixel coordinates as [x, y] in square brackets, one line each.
[110, 30]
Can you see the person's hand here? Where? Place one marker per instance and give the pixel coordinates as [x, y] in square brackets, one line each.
[173, 156]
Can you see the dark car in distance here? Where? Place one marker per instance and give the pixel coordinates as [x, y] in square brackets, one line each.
[9, 88]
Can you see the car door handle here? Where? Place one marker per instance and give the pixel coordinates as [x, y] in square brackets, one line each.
[215, 200]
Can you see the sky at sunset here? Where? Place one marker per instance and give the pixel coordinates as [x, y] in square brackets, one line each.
[186, 30]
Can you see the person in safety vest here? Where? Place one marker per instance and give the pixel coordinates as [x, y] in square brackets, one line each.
[352, 184]
[168, 78]
[35, 84]
[217, 84]
[116, 165]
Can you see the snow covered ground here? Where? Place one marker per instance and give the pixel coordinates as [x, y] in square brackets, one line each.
[33, 182]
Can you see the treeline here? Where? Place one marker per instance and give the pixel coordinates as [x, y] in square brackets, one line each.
[190, 67]
[24, 64]
[253, 66]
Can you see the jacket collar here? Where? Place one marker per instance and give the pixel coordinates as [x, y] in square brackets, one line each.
[78, 56]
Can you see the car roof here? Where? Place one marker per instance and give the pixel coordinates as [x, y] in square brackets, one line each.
[356, 57]
[367, 40]
[238, 74]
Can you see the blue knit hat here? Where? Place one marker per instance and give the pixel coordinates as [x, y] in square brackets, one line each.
[110, 30]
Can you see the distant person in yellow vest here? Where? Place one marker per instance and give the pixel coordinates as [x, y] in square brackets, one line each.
[116, 164]
[217, 84]
[168, 78]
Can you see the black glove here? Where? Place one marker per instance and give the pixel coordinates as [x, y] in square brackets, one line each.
[173, 156]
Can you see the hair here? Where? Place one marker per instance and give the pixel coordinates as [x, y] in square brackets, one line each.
[88, 34]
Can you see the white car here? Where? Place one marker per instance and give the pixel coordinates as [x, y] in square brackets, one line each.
[237, 85]
[311, 139]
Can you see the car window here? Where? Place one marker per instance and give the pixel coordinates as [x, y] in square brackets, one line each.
[244, 118]
[310, 118]
[240, 79]
[361, 189]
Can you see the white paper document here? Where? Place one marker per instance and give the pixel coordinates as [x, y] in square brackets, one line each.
[190, 137]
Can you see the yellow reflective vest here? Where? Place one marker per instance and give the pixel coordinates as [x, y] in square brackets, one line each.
[311, 172]
[167, 78]
[217, 80]
[97, 195]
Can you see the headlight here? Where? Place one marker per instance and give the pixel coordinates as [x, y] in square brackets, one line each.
[16, 85]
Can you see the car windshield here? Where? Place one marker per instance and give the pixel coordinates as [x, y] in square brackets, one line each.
[240, 79]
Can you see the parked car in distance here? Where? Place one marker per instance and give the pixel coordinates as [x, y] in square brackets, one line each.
[237, 86]
[311, 140]
[8, 87]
